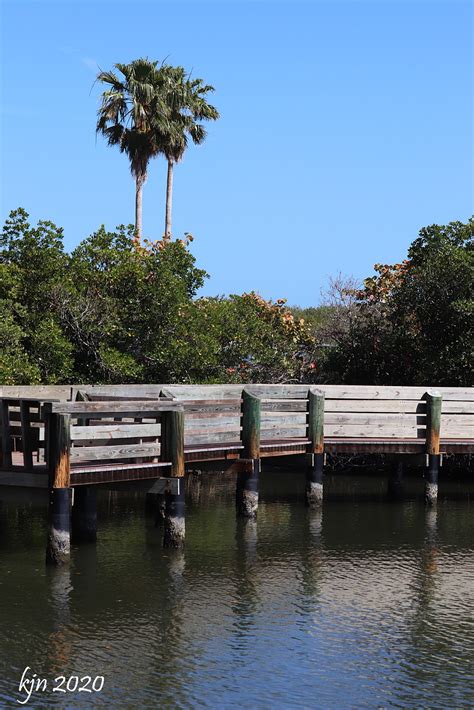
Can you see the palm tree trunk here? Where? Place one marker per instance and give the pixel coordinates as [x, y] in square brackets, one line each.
[169, 199]
[138, 208]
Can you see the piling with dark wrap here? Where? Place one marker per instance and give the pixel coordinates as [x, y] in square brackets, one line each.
[58, 549]
[172, 441]
[433, 429]
[315, 459]
[249, 466]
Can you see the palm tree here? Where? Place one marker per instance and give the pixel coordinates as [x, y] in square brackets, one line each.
[132, 115]
[186, 101]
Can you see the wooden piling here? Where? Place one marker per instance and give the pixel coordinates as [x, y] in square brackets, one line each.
[433, 429]
[315, 466]
[59, 530]
[249, 467]
[251, 422]
[84, 514]
[172, 442]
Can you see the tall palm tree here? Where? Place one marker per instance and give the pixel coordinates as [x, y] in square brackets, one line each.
[186, 101]
[132, 115]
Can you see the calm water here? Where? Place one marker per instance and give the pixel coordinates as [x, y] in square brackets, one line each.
[368, 604]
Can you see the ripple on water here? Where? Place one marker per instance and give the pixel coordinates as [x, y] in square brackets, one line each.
[363, 605]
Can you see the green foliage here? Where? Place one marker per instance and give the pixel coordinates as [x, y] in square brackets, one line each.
[114, 311]
[413, 322]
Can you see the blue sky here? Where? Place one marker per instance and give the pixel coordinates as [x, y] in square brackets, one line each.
[346, 127]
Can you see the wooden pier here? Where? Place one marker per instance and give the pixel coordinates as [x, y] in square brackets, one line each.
[75, 438]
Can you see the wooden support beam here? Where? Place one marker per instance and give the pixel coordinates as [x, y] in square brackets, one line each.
[251, 424]
[315, 466]
[433, 430]
[59, 445]
[316, 420]
[172, 443]
[58, 548]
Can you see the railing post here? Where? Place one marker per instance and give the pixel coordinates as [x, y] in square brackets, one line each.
[26, 435]
[315, 467]
[249, 467]
[6, 442]
[172, 450]
[433, 401]
[58, 548]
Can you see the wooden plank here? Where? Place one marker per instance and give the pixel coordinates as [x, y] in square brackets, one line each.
[386, 406]
[347, 430]
[112, 409]
[97, 453]
[115, 431]
[94, 397]
[382, 420]
[286, 433]
[457, 408]
[43, 392]
[283, 424]
[209, 430]
[210, 404]
[210, 438]
[282, 405]
[215, 415]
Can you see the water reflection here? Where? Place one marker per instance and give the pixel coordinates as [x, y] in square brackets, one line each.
[361, 603]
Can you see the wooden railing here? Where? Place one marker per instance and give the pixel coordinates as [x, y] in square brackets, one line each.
[108, 429]
[22, 427]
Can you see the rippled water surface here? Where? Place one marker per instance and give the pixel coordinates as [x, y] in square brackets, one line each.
[366, 604]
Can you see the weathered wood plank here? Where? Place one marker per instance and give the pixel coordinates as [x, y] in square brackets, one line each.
[348, 430]
[208, 430]
[286, 433]
[112, 409]
[115, 431]
[385, 406]
[97, 453]
[191, 438]
[282, 405]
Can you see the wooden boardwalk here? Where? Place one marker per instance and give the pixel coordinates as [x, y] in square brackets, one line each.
[80, 437]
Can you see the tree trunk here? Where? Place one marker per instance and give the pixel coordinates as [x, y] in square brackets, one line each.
[169, 199]
[138, 209]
